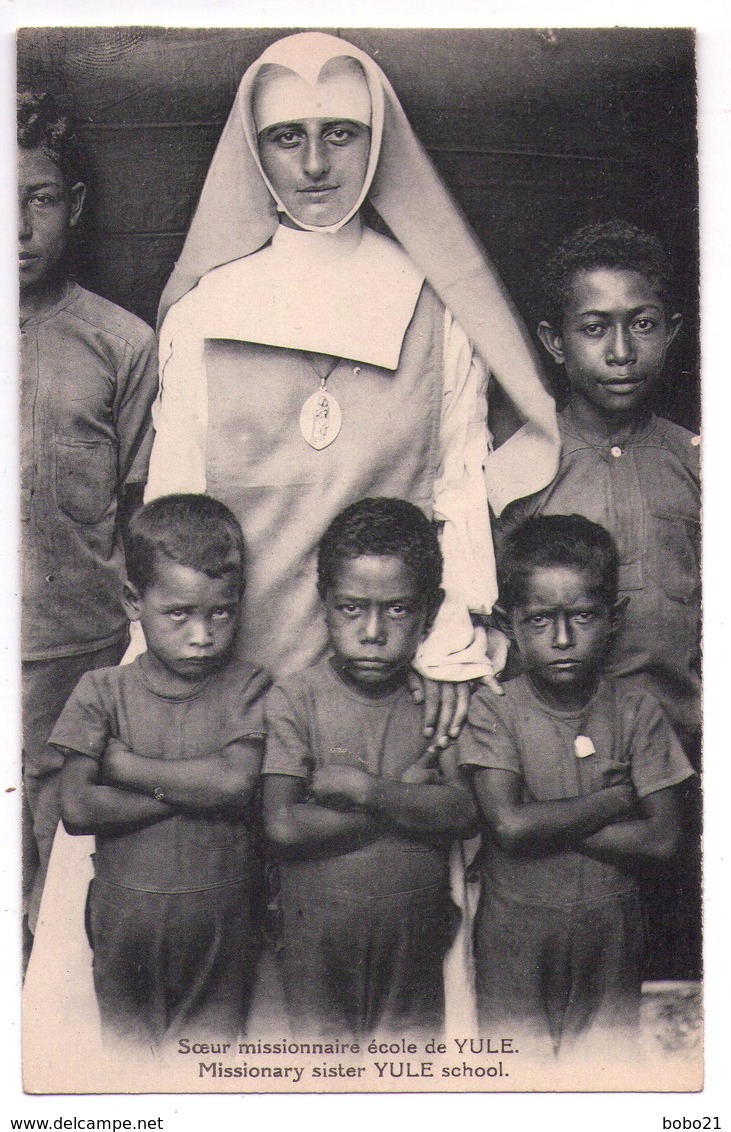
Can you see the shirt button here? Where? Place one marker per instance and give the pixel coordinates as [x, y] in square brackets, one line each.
[50, 577]
[356, 370]
[616, 451]
[695, 441]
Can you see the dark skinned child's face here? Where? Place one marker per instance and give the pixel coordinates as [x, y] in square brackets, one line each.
[562, 627]
[613, 340]
[189, 620]
[375, 620]
[47, 211]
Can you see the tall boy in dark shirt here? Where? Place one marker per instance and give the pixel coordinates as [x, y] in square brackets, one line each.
[609, 323]
[88, 379]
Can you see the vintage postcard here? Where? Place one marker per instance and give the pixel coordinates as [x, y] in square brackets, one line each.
[350, 241]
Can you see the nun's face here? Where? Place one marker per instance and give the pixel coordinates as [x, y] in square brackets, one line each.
[316, 166]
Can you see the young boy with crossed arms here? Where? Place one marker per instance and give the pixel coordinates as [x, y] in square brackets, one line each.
[577, 778]
[162, 758]
[359, 816]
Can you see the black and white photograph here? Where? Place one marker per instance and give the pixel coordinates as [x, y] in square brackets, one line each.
[358, 414]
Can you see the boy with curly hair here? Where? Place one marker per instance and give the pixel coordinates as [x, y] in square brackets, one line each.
[359, 815]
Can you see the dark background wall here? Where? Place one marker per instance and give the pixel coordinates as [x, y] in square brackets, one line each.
[535, 132]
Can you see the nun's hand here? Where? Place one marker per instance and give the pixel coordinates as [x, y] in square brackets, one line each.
[446, 703]
[445, 707]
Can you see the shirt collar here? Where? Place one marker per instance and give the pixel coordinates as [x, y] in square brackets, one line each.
[69, 292]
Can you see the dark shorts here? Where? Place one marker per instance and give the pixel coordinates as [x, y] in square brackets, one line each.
[172, 963]
[354, 965]
[552, 974]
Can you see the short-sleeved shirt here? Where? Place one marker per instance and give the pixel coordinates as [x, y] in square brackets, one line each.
[518, 732]
[646, 492]
[315, 720]
[184, 852]
[88, 380]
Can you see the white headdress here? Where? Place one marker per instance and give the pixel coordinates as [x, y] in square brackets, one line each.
[238, 213]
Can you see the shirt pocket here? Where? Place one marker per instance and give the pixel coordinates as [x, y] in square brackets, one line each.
[85, 478]
[674, 556]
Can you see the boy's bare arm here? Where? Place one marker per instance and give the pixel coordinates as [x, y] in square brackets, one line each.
[519, 825]
[89, 806]
[302, 829]
[441, 808]
[222, 781]
[654, 834]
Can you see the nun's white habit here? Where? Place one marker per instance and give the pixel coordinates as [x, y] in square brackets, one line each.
[257, 316]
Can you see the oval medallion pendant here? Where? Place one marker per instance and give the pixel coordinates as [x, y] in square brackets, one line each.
[320, 419]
